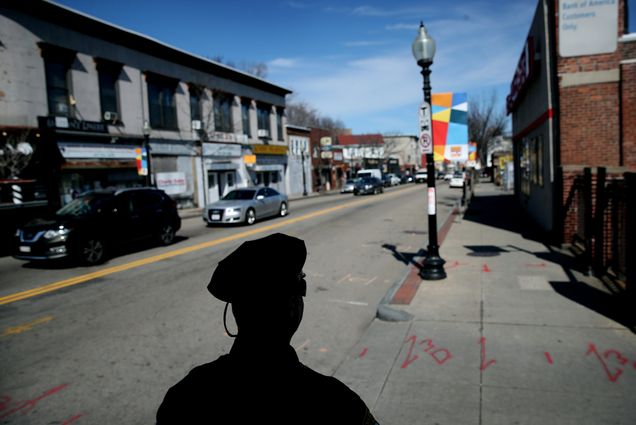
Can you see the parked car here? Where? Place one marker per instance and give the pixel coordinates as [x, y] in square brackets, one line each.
[448, 176]
[246, 206]
[366, 185]
[421, 176]
[87, 228]
[348, 186]
[457, 180]
[407, 178]
[389, 180]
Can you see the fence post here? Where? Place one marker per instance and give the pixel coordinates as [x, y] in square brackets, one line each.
[587, 218]
[599, 221]
[630, 235]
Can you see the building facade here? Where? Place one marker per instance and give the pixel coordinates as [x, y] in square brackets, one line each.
[107, 107]
[573, 105]
[298, 177]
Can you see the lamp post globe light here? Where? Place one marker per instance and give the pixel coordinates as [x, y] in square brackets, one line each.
[433, 265]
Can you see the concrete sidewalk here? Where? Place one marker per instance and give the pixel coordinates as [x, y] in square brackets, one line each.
[516, 334]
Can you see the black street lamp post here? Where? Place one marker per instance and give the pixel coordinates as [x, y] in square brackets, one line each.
[146, 131]
[302, 156]
[433, 265]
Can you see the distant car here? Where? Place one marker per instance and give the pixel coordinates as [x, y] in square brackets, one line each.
[246, 206]
[348, 186]
[389, 180]
[421, 176]
[457, 180]
[88, 227]
[367, 185]
[407, 178]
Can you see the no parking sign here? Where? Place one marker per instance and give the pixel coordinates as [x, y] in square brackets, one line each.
[426, 136]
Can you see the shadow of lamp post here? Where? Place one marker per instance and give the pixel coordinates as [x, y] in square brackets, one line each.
[432, 265]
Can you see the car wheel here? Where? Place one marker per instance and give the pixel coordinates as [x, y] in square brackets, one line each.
[283, 209]
[250, 216]
[166, 234]
[91, 251]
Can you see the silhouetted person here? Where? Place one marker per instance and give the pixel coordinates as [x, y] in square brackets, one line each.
[261, 380]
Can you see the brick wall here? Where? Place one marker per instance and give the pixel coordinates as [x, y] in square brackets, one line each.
[628, 100]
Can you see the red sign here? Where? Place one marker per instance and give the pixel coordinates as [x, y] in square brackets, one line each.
[524, 72]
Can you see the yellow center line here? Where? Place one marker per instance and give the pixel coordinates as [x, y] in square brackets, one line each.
[18, 296]
[14, 330]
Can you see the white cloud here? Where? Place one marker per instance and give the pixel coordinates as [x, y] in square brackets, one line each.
[401, 26]
[365, 43]
[477, 50]
[283, 63]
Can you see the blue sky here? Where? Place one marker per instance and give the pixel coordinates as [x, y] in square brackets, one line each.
[350, 59]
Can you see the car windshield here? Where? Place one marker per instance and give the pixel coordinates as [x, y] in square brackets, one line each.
[239, 195]
[84, 205]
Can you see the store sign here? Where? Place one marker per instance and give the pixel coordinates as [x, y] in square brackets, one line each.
[221, 149]
[326, 154]
[269, 150]
[523, 74]
[172, 183]
[337, 156]
[73, 151]
[249, 160]
[218, 136]
[587, 27]
[65, 123]
[325, 141]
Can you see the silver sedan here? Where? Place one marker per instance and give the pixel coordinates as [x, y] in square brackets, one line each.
[246, 206]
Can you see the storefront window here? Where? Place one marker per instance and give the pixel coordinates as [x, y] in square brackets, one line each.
[524, 167]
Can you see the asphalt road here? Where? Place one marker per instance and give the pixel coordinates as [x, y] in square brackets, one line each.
[103, 344]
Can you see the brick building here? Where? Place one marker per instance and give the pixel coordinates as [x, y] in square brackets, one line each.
[573, 105]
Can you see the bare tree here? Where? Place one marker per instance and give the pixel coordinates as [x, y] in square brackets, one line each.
[303, 114]
[257, 69]
[15, 154]
[485, 122]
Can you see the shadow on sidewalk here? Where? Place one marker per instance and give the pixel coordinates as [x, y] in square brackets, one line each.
[611, 306]
[504, 212]
[408, 258]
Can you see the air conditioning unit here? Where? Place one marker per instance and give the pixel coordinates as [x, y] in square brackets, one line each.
[197, 125]
[110, 116]
[263, 133]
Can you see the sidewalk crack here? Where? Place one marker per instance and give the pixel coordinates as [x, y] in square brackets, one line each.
[397, 356]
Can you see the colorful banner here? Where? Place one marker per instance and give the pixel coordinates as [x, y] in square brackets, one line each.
[450, 126]
[142, 161]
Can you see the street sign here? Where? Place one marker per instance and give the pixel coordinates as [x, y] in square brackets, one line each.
[426, 135]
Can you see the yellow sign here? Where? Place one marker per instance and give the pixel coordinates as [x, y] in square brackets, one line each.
[249, 159]
[269, 150]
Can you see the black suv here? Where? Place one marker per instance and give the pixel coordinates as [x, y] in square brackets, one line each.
[89, 226]
[366, 185]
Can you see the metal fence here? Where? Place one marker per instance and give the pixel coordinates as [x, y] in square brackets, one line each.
[605, 223]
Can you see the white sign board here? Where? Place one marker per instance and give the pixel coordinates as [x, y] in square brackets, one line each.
[71, 151]
[426, 134]
[587, 27]
[221, 149]
[172, 183]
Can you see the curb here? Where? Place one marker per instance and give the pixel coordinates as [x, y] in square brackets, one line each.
[404, 289]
